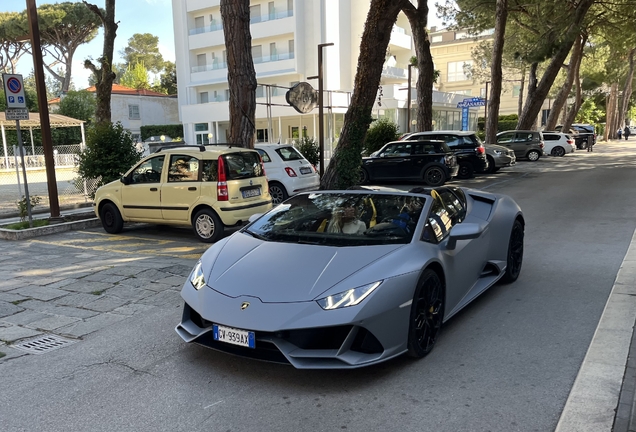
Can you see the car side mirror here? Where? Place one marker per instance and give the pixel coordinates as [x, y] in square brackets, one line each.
[464, 231]
[254, 217]
[124, 180]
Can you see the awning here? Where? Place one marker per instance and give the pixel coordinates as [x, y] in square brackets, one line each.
[56, 120]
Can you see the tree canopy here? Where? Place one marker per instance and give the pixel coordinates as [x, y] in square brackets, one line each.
[143, 48]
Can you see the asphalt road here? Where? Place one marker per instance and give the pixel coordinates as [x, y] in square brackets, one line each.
[505, 363]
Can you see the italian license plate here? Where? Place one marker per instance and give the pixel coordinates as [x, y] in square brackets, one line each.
[248, 193]
[305, 170]
[234, 336]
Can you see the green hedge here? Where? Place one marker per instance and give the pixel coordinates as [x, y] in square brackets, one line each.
[506, 122]
[173, 131]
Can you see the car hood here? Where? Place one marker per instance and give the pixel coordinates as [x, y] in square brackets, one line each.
[496, 147]
[285, 272]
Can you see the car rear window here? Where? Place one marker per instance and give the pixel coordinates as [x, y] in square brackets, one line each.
[550, 137]
[242, 165]
[289, 154]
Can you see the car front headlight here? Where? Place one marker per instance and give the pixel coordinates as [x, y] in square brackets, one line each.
[197, 278]
[498, 152]
[347, 298]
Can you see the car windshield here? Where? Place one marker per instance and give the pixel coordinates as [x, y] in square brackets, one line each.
[341, 219]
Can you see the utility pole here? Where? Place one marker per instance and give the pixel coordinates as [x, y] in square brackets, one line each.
[321, 129]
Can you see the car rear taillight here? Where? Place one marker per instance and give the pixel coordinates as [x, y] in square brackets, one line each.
[481, 150]
[290, 172]
[541, 144]
[571, 141]
[221, 185]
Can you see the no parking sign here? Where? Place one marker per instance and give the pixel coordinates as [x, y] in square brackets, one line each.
[14, 91]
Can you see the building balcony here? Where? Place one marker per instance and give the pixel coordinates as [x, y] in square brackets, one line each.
[399, 39]
[264, 66]
[255, 23]
[397, 73]
[195, 5]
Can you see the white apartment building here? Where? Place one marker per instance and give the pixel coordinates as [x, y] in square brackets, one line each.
[285, 38]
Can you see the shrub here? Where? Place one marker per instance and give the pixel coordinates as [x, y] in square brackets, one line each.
[309, 148]
[381, 132]
[110, 152]
[174, 131]
[22, 206]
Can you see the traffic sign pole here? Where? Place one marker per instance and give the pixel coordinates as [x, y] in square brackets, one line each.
[24, 174]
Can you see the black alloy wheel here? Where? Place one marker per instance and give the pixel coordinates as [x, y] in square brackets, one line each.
[364, 176]
[491, 169]
[427, 314]
[515, 253]
[278, 193]
[465, 171]
[558, 151]
[434, 176]
[111, 218]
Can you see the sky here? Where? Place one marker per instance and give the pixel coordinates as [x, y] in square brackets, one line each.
[134, 16]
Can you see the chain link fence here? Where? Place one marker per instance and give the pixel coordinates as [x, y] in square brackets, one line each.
[72, 191]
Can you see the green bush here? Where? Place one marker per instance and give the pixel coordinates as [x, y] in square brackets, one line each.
[309, 148]
[506, 122]
[381, 132]
[110, 152]
[22, 206]
[174, 131]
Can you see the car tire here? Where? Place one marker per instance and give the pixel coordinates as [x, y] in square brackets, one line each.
[207, 226]
[111, 218]
[364, 176]
[465, 171]
[491, 169]
[558, 151]
[515, 253]
[434, 176]
[427, 314]
[533, 155]
[278, 193]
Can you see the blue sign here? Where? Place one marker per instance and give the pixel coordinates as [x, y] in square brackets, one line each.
[471, 102]
[465, 118]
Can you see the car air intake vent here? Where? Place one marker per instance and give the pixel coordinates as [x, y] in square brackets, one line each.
[366, 343]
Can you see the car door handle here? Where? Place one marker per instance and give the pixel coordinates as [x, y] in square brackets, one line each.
[192, 188]
[153, 189]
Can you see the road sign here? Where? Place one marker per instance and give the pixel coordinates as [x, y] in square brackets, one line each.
[471, 102]
[17, 114]
[14, 91]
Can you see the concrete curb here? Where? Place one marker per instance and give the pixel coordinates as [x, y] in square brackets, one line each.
[8, 234]
[593, 400]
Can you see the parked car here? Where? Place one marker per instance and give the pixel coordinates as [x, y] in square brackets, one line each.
[499, 157]
[206, 187]
[558, 144]
[583, 134]
[470, 152]
[288, 172]
[351, 298]
[429, 161]
[526, 144]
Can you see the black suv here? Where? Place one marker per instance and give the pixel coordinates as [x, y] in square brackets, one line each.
[584, 134]
[430, 161]
[470, 152]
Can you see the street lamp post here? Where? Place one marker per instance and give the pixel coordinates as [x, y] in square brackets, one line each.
[321, 131]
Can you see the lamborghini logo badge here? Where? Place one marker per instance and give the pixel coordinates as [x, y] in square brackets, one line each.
[244, 305]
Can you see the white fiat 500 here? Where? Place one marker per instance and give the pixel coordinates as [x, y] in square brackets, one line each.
[287, 170]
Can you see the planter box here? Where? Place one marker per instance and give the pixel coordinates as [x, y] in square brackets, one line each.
[9, 234]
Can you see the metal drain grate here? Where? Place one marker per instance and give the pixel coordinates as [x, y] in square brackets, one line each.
[43, 344]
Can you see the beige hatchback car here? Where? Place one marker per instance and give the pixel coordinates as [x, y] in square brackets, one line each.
[206, 187]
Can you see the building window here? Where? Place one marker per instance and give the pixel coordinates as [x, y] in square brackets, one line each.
[261, 135]
[290, 7]
[482, 92]
[198, 22]
[437, 38]
[201, 60]
[272, 51]
[202, 134]
[459, 71]
[133, 112]
[227, 94]
[271, 10]
[294, 132]
[461, 35]
[259, 91]
[255, 14]
[291, 49]
[203, 97]
[136, 137]
[516, 89]
[257, 54]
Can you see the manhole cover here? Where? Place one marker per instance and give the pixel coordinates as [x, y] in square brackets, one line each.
[43, 344]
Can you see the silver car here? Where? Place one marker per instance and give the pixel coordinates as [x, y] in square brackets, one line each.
[344, 279]
[499, 157]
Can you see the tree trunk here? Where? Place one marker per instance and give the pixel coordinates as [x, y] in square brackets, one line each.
[343, 170]
[533, 105]
[521, 90]
[561, 98]
[496, 74]
[104, 76]
[418, 21]
[241, 75]
[610, 117]
[627, 90]
[578, 98]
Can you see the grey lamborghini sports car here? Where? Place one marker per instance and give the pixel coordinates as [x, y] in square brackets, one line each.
[344, 279]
